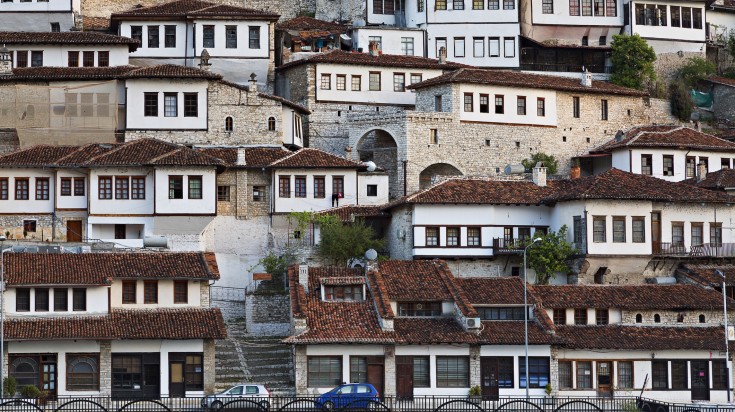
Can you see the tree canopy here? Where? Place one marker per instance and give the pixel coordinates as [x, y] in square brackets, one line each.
[632, 62]
[550, 256]
[342, 242]
[549, 161]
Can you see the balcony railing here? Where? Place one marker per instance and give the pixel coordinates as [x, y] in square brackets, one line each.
[503, 246]
[566, 68]
[703, 250]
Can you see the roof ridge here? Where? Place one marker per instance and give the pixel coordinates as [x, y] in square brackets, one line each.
[79, 149]
[114, 149]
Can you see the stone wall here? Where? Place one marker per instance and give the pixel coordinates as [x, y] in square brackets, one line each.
[300, 364]
[723, 102]
[105, 368]
[209, 370]
[287, 9]
[268, 314]
[241, 183]
[667, 64]
[691, 317]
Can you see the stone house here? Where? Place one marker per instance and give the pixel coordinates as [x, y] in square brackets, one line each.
[475, 122]
[106, 324]
[303, 36]
[237, 41]
[424, 332]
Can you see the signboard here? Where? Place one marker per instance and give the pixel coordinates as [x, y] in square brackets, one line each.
[267, 276]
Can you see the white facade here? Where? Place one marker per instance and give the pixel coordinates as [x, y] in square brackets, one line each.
[57, 55]
[477, 44]
[662, 20]
[503, 105]
[165, 295]
[372, 188]
[22, 191]
[96, 301]
[714, 160]
[171, 119]
[306, 200]
[393, 40]
[191, 202]
[560, 13]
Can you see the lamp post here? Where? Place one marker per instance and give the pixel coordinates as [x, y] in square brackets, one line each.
[525, 306]
[727, 345]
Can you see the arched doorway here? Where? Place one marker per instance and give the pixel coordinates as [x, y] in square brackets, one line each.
[429, 175]
[380, 147]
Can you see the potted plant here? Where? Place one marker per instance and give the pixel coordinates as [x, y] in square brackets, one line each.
[10, 387]
[548, 400]
[475, 394]
[30, 393]
[575, 171]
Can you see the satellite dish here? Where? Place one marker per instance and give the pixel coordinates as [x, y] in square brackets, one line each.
[371, 254]
[370, 166]
[695, 116]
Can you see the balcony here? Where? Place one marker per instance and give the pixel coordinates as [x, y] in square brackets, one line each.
[565, 68]
[504, 246]
[703, 250]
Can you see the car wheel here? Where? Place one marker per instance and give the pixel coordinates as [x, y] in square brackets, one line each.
[328, 406]
[216, 405]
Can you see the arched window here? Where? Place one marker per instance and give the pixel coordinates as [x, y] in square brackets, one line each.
[82, 373]
[25, 371]
[702, 319]
[638, 318]
[229, 123]
[657, 318]
[271, 124]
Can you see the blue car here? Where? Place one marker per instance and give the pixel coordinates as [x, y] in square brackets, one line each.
[348, 396]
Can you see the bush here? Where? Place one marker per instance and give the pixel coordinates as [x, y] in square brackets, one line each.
[681, 102]
[30, 392]
[632, 62]
[475, 391]
[10, 386]
[549, 161]
[695, 70]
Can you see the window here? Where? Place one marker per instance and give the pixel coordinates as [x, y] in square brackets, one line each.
[501, 313]
[79, 299]
[484, 103]
[378, 40]
[586, 7]
[639, 229]
[258, 193]
[338, 186]
[348, 292]
[122, 187]
[137, 184]
[493, 47]
[195, 187]
[668, 165]
[575, 107]
[459, 47]
[61, 300]
[356, 83]
[686, 17]
[657, 318]
[538, 371]
[128, 291]
[36, 58]
[136, 33]
[679, 374]
[407, 46]
[326, 81]
[499, 104]
[677, 233]
[341, 82]
[21, 58]
[458, 5]
[565, 375]
[704, 161]
[473, 236]
[438, 103]
[611, 11]
[618, 229]
[372, 190]
[230, 37]
[88, 59]
[580, 316]
[399, 82]
[540, 107]
[715, 234]
[319, 187]
[21, 188]
[599, 229]
[547, 7]
[284, 186]
[300, 186]
[29, 226]
[432, 236]
[374, 81]
[638, 318]
[697, 233]
[697, 19]
[175, 187]
[104, 188]
[42, 299]
[358, 369]
[584, 375]
[602, 316]
[55, 27]
[191, 105]
[72, 59]
[150, 104]
[675, 16]
[254, 37]
[603, 109]
[646, 164]
[509, 4]
[452, 372]
[691, 167]
[127, 371]
[208, 36]
[22, 299]
[420, 6]
[478, 4]
[150, 291]
[420, 309]
[170, 104]
[181, 291]
[599, 7]
[440, 5]
[82, 372]
[433, 136]
[223, 193]
[509, 46]
[152, 37]
[521, 106]
[42, 188]
[493, 4]
[560, 316]
[421, 372]
[324, 371]
[719, 374]
[452, 236]
[468, 102]
[103, 105]
[702, 318]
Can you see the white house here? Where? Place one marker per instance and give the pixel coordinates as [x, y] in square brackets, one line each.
[238, 41]
[39, 15]
[67, 49]
[405, 41]
[126, 325]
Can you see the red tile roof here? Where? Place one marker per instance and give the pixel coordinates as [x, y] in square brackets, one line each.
[678, 137]
[366, 59]
[67, 37]
[308, 158]
[95, 23]
[706, 273]
[23, 269]
[525, 80]
[625, 337]
[66, 73]
[407, 280]
[726, 81]
[348, 213]
[255, 157]
[631, 297]
[170, 71]
[721, 180]
[309, 23]
[494, 290]
[513, 333]
[187, 9]
[346, 280]
[189, 323]
[479, 191]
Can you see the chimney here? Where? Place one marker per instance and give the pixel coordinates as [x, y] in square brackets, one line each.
[586, 78]
[539, 174]
[204, 63]
[241, 157]
[6, 62]
[374, 48]
[702, 172]
[304, 276]
[253, 83]
[348, 152]
[442, 55]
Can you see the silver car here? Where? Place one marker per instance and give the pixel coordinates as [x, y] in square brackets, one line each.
[251, 392]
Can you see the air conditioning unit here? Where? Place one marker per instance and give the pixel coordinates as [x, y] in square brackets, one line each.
[472, 323]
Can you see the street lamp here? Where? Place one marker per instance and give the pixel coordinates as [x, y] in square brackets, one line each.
[525, 306]
[727, 346]
[2, 316]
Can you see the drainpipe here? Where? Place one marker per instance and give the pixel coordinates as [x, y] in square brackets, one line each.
[405, 187]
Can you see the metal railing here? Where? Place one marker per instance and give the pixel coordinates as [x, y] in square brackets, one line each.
[508, 246]
[227, 294]
[652, 405]
[566, 68]
[703, 250]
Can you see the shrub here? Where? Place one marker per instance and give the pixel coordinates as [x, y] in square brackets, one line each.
[10, 386]
[30, 392]
[681, 102]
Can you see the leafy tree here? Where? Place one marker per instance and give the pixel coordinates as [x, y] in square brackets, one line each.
[695, 70]
[681, 102]
[342, 242]
[549, 161]
[730, 46]
[277, 265]
[550, 256]
[632, 61]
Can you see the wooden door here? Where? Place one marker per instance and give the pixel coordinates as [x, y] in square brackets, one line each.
[375, 372]
[604, 378]
[73, 230]
[404, 377]
[120, 232]
[489, 378]
[656, 232]
[700, 380]
[176, 388]
[48, 375]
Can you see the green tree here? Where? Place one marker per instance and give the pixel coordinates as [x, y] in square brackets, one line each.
[632, 62]
[277, 265]
[549, 161]
[341, 242]
[695, 70]
[550, 256]
[681, 102]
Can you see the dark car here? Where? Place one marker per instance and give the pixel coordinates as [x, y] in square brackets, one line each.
[349, 395]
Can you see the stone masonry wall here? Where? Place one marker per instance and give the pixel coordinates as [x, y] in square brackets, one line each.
[287, 9]
[300, 368]
[723, 102]
[691, 317]
[105, 368]
[209, 366]
[268, 315]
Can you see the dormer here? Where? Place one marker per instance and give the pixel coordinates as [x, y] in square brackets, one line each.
[343, 289]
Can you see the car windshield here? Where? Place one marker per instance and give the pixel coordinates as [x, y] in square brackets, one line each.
[344, 390]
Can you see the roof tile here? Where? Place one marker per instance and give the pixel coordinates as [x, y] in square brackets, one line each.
[308, 158]
[666, 136]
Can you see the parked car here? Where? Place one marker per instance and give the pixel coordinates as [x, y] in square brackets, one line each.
[252, 392]
[348, 395]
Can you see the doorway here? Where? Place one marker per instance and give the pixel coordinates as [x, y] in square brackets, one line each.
[376, 372]
[404, 377]
[489, 371]
[604, 379]
[700, 380]
[176, 387]
[73, 230]
[120, 232]
[656, 232]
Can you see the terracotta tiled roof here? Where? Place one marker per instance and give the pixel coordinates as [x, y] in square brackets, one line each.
[379, 291]
[255, 157]
[413, 280]
[310, 23]
[722, 80]
[189, 323]
[678, 137]
[706, 275]
[513, 333]
[308, 158]
[348, 213]
[66, 37]
[632, 297]
[623, 337]
[366, 59]
[66, 73]
[95, 23]
[526, 80]
[193, 9]
[98, 268]
[346, 280]
[494, 290]
[170, 71]
[720, 180]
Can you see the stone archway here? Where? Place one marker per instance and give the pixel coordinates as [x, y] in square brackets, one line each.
[380, 147]
[428, 176]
